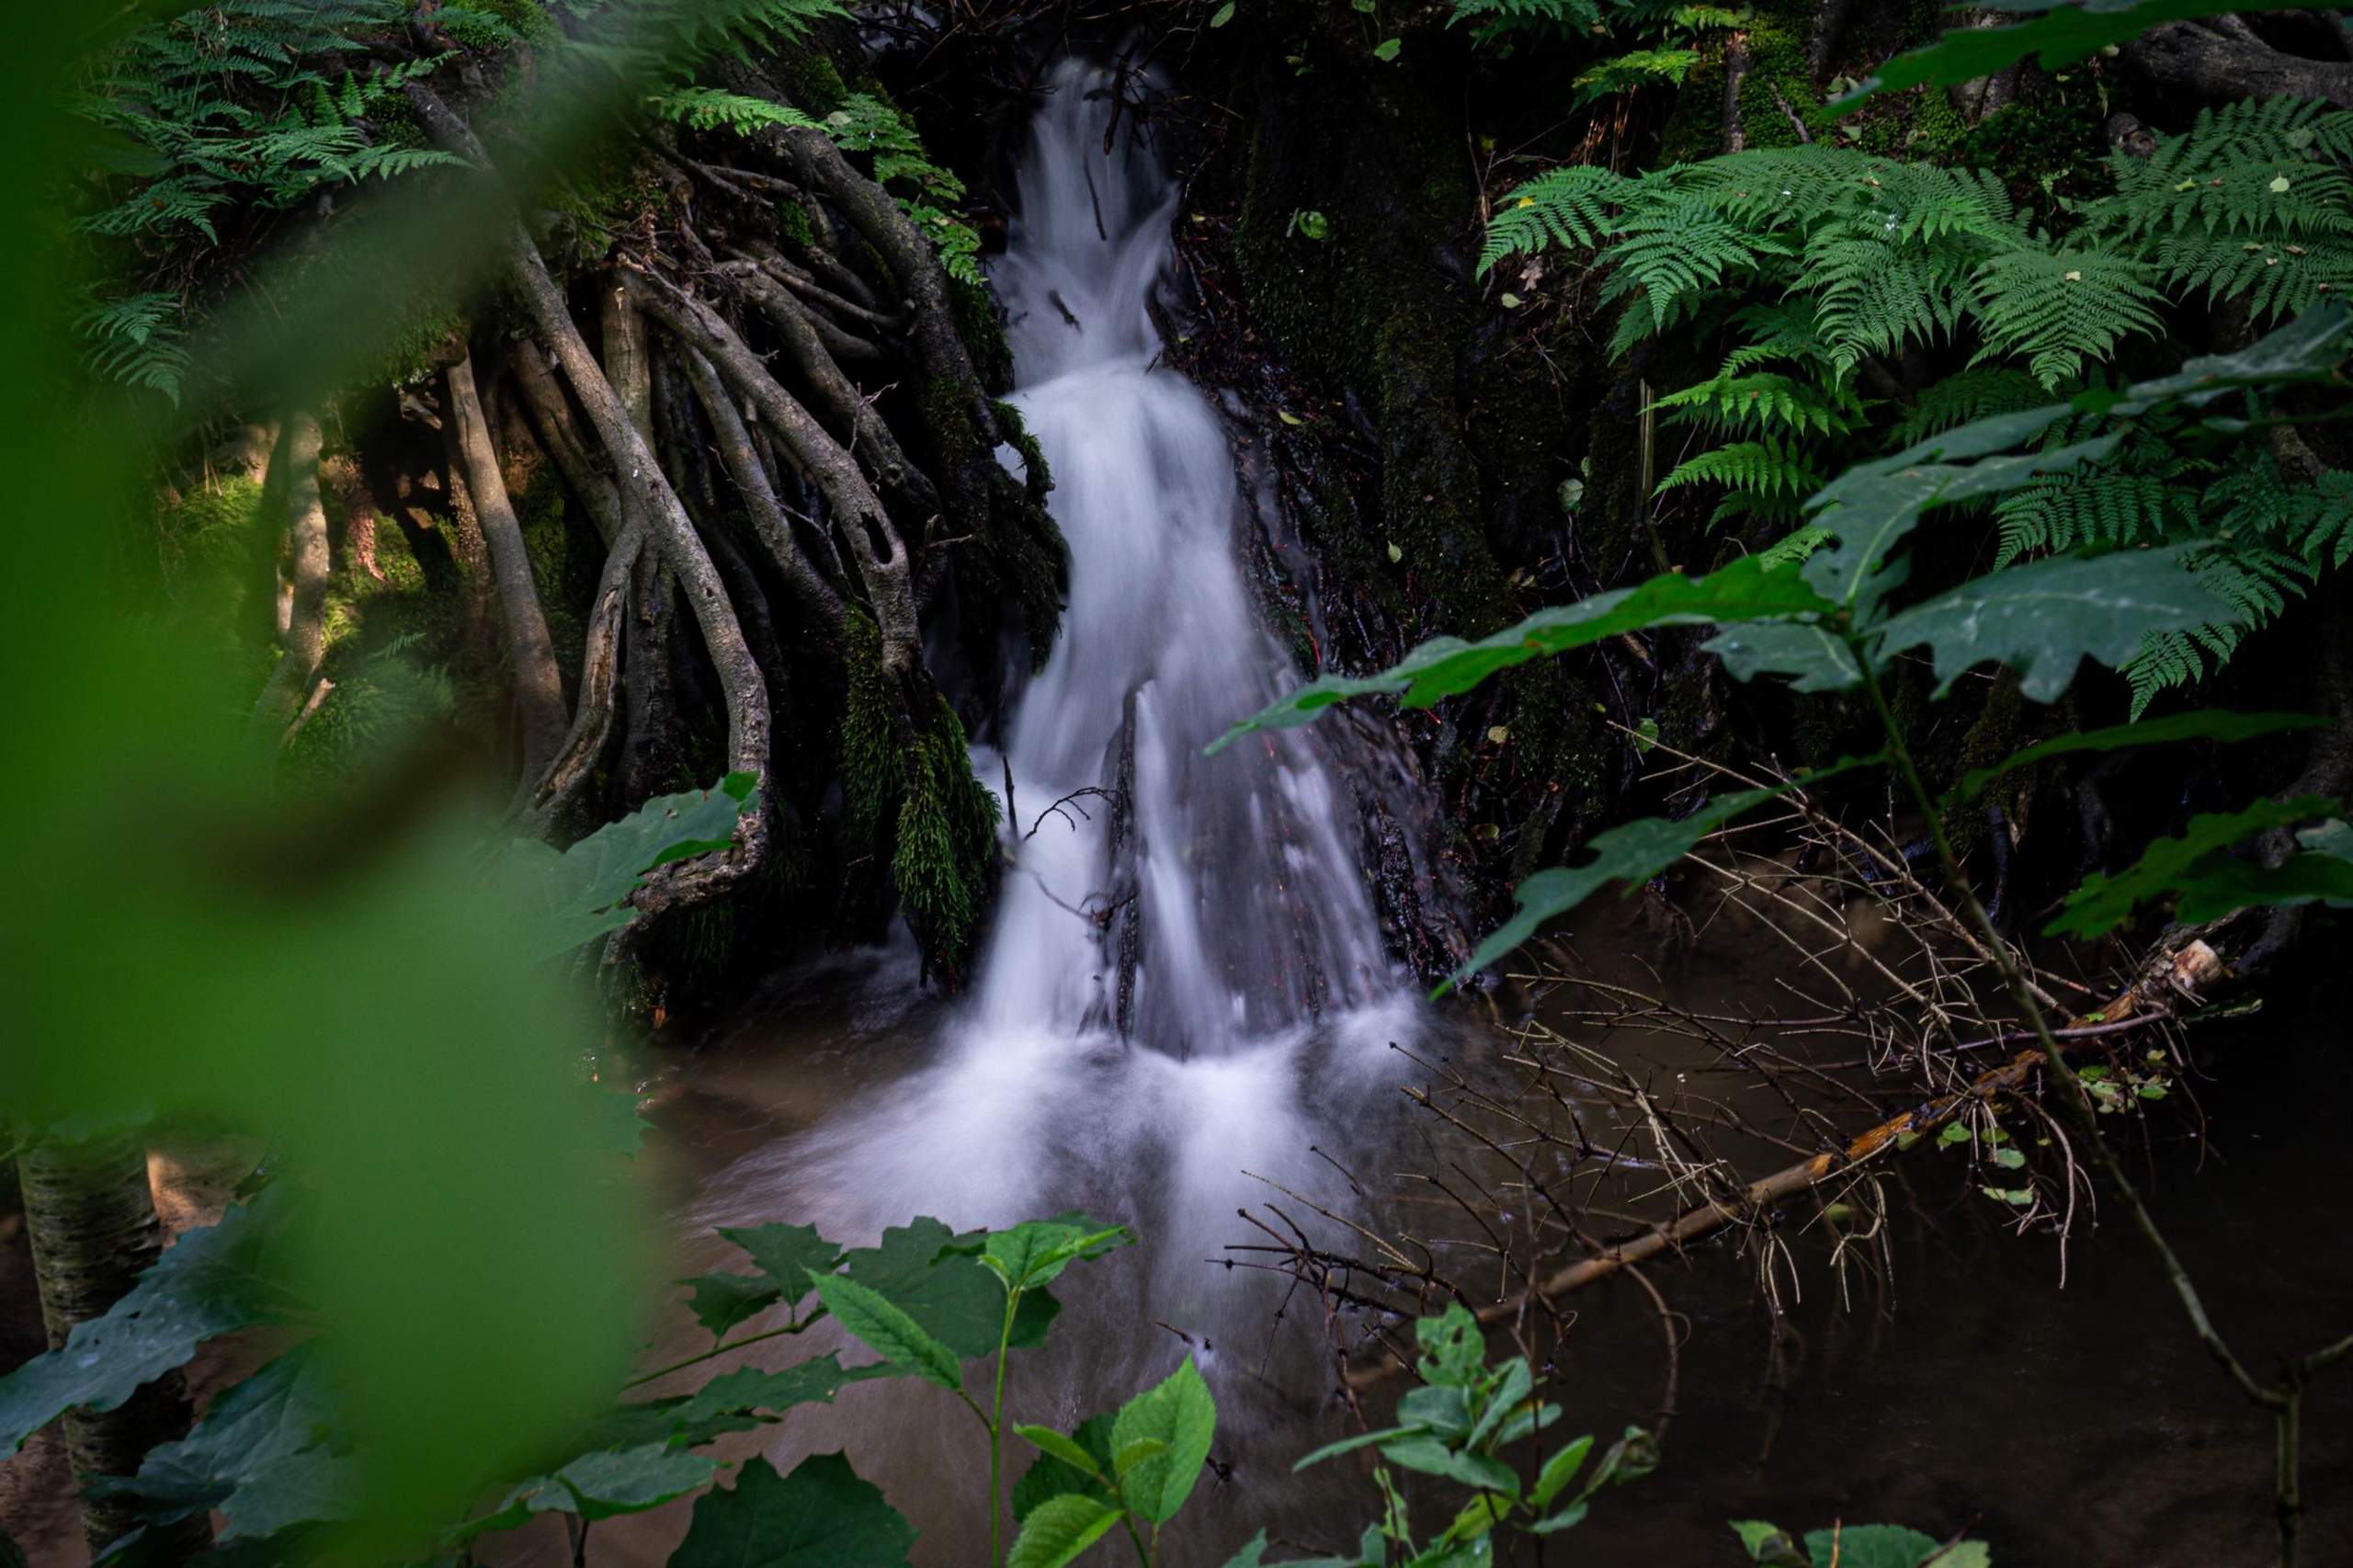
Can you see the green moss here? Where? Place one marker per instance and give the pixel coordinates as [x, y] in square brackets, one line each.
[974, 309]
[870, 764]
[794, 224]
[914, 805]
[944, 858]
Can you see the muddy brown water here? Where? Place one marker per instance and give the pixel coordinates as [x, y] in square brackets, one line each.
[2069, 1423]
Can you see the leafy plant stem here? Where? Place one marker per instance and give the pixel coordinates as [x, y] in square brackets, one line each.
[996, 1424]
[721, 1349]
[2284, 1402]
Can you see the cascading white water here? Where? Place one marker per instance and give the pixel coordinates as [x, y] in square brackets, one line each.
[1249, 911]
[1249, 1046]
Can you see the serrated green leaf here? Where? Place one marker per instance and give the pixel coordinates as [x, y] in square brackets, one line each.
[1052, 1477]
[1181, 1413]
[785, 1254]
[1757, 1534]
[936, 1277]
[1067, 1449]
[898, 1338]
[749, 1389]
[2192, 866]
[1057, 1529]
[1746, 590]
[821, 1516]
[1037, 1250]
[1453, 1348]
[2044, 619]
[2205, 724]
[720, 1301]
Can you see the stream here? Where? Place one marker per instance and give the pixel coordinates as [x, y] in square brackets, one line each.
[1184, 1009]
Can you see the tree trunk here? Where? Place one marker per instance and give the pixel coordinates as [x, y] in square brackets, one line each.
[304, 643]
[90, 1216]
[539, 686]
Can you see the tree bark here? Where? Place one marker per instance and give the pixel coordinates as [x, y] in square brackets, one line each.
[2193, 65]
[649, 497]
[539, 685]
[90, 1216]
[751, 480]
[882, 555]
[304, 642]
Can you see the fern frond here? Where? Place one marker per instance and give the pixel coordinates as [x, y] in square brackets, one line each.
[2059, 308]
[1769, 469]
[710, 109]
[1961, 398]
[1765, 402]
[1567, 207]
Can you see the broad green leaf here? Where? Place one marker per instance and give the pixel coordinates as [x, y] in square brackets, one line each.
[1870, 1546]
[785, 1254]
[1057, 1529]
[1349, 1445]
[1559, 1471]
[1630, 853]
[1433, 1458]
[580, 892]
[1567, 1518]
[900, 1341]
[2308, 348]
[1052, 1477]
[600, 1485]
[211, 1281]
[2190, 862]
[2205, 724]
[2044, 619]
[1453, 1350]
[1435, 1408]
[260, 1456]
[2060, 37]
[935, 1277]
[1181, 1413]
[720, 1301]
[821, 1516]
[1816, 657]
[630, 1481]
[1873, 507]
[1067, 1449]
[1746, 590]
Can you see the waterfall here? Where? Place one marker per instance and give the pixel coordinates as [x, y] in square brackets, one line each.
[1209, 901]
[1185, 996]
